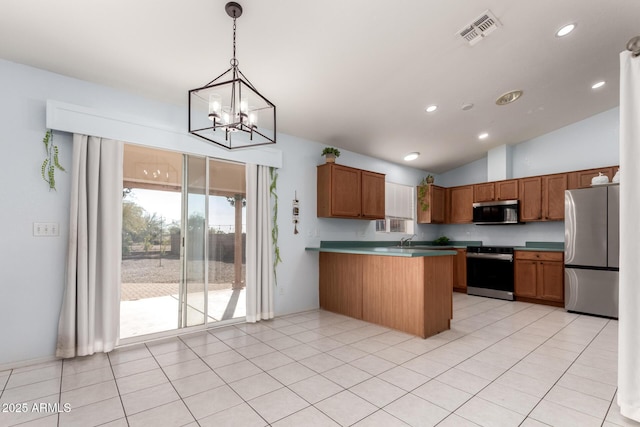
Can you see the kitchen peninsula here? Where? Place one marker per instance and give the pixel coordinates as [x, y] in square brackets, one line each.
[408, 289]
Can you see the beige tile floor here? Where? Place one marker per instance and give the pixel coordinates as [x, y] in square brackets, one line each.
[501, 364]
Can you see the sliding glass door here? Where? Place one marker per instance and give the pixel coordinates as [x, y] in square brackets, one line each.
[227, 236]
[183, 241]
[193, 292]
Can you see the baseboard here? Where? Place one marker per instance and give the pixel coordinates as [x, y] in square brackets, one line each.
[24, 363]
[540, 301]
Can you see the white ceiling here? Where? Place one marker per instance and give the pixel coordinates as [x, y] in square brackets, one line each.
[355, 74]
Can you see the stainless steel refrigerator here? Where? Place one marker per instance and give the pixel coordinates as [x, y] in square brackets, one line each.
[591, 249]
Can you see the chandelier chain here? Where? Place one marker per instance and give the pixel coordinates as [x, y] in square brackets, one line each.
[234, 61]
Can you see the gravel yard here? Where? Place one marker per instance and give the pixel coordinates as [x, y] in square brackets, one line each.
[153, 277]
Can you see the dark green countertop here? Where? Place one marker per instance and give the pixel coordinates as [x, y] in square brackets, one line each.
[418, 248]
[457, 244]
[391, 248]
[542, 247]
[385, 251]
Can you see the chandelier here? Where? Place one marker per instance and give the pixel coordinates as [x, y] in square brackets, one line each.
[229, 111]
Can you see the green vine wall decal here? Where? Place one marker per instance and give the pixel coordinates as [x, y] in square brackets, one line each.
[274, 228]
[51, 162]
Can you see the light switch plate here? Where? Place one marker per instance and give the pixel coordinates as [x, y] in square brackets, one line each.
[46, 229]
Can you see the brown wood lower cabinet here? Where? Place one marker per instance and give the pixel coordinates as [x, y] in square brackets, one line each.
[341, 283]
[539, 277]
[460, 271]
[412, 295]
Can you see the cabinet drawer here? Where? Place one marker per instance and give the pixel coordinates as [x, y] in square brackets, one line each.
[539, 256]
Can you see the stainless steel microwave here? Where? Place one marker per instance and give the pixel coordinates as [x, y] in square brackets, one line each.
[498, 212]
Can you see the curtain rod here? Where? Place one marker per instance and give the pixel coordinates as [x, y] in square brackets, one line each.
[634, 46]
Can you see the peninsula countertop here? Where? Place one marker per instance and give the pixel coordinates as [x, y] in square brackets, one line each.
[385, 251]
[389, 248]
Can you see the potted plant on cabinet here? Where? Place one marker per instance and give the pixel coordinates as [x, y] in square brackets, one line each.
[423, 192]
[330, 154]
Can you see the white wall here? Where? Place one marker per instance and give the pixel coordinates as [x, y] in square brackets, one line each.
[590, 143]
[33, 269]
[467, 174]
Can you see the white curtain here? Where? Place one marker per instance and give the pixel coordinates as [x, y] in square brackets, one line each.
[90, 315]
[259, 291]
[629, 310]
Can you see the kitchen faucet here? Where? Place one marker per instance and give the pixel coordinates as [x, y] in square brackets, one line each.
[406, 240]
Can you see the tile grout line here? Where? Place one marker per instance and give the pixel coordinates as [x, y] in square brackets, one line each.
[126, 419]
[564, 372]
[569, 367]
[62, 363]
[316, 325]
[214, 372]
[508, 369]
[310, 404]
[470, 357]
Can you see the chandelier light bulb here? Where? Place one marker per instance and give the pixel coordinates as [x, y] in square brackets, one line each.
[215, 106]
[253, 119]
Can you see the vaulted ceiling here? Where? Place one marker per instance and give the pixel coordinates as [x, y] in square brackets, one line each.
[354, 74]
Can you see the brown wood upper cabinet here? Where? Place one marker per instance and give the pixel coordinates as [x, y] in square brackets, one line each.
[507, 190]
[460, 204]
[553, 187]
[582, 179]
[431, 206]
[542, 197]
[531, 199]
[484, 192]
[498, 190]
[345, 192]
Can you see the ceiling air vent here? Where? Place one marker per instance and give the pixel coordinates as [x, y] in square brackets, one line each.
[481, 27]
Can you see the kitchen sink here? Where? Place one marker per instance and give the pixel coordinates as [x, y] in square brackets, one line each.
[396, 249]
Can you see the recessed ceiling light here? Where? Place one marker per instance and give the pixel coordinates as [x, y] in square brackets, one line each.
[598, 85]
[509, 97]
[483, 135]
[565, 30]
[466, 107]
[431, 108]
[411, 156]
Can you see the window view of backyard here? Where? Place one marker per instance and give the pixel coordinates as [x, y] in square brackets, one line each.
[170, 280]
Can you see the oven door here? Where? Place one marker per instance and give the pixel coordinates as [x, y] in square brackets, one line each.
[490, 275]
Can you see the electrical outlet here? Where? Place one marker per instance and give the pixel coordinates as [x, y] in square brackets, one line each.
[46, 229]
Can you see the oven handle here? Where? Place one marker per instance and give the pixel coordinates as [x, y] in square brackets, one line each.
[502, 257]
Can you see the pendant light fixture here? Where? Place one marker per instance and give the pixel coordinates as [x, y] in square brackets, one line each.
[229, 111]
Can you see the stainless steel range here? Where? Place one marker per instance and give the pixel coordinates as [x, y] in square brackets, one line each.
[490, 271]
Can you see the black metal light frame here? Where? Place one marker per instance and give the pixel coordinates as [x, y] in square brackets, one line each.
[239, 124]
